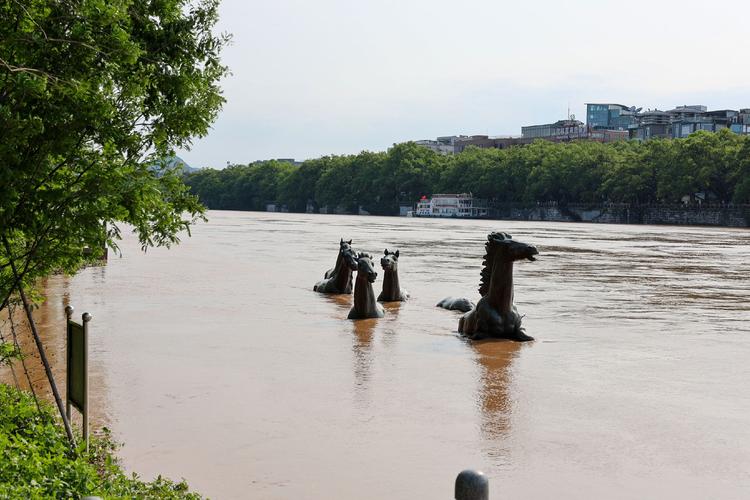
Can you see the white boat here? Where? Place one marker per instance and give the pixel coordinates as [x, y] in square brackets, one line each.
[451, 205]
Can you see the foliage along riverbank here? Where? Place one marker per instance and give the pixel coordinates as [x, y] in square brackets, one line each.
[36, 461]
[656, 171]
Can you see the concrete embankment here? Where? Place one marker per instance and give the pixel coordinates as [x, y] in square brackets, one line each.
[728, 216]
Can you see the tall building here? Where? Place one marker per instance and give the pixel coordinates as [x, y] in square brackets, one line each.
[610, 116]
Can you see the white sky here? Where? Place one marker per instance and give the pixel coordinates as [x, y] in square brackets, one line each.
[317, 77]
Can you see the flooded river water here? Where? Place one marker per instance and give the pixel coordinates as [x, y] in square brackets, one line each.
[215, 361]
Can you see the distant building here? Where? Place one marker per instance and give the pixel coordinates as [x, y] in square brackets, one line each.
[651, 124]
[741, 123]
[485, 141]
[604, 135]
[608, 122]
[571, 130]
[444, 145]
[610, 116]
[689, 119]
[682, 121]
[561, 130]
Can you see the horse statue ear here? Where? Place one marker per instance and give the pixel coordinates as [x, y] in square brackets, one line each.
[350, 242]
[386, 252]
[341, 242]
[396, 254]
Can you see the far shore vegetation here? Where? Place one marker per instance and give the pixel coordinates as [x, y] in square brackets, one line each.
[714, 165]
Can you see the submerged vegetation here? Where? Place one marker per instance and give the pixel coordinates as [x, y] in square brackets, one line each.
[657, 171]
[37, 462]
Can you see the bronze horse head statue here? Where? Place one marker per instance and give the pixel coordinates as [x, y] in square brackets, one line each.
[495, 315]
[344, 248]
[365, 305]
[339, 279]
[391, 287]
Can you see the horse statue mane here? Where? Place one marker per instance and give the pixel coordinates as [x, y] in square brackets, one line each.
[491, 247]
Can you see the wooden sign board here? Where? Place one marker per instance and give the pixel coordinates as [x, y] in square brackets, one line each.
[77, 361]
[77, 379]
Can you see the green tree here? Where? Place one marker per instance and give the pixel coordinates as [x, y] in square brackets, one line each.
[92, 93]
[629, 178]
[368, 171]
[408, 172]
[659, 170]
[209, 185]
[712, 158]
[475, 170]
[333, 189]
[742, 177]
[570, 172]
[265, 180]
[298, 188]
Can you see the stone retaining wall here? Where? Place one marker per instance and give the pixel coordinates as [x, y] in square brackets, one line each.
[738, 216]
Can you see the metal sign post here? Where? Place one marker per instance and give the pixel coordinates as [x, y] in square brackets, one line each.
[77, 379]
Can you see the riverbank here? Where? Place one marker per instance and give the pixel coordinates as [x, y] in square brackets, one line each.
[671, 215]
[36, 462]
[617, 213]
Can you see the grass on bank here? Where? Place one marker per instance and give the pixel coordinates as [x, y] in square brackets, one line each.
[36, 462]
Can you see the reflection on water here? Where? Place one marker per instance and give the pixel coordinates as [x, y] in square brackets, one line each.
[362, 330]
[215, 361]
[495, 359]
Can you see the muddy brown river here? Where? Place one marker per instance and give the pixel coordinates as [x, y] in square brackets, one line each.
[215, 361]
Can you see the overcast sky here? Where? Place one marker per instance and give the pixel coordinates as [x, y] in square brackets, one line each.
[317, 77]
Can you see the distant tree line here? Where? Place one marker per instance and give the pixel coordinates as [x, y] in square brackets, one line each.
[656, 171]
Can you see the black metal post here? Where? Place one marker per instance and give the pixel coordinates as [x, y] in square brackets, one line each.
[472, 485]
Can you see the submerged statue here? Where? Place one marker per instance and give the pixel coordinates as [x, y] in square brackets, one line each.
[456, 304]
[392, 291]
[339, 279]
[365, 305]
[344, 247]
[495, 315]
